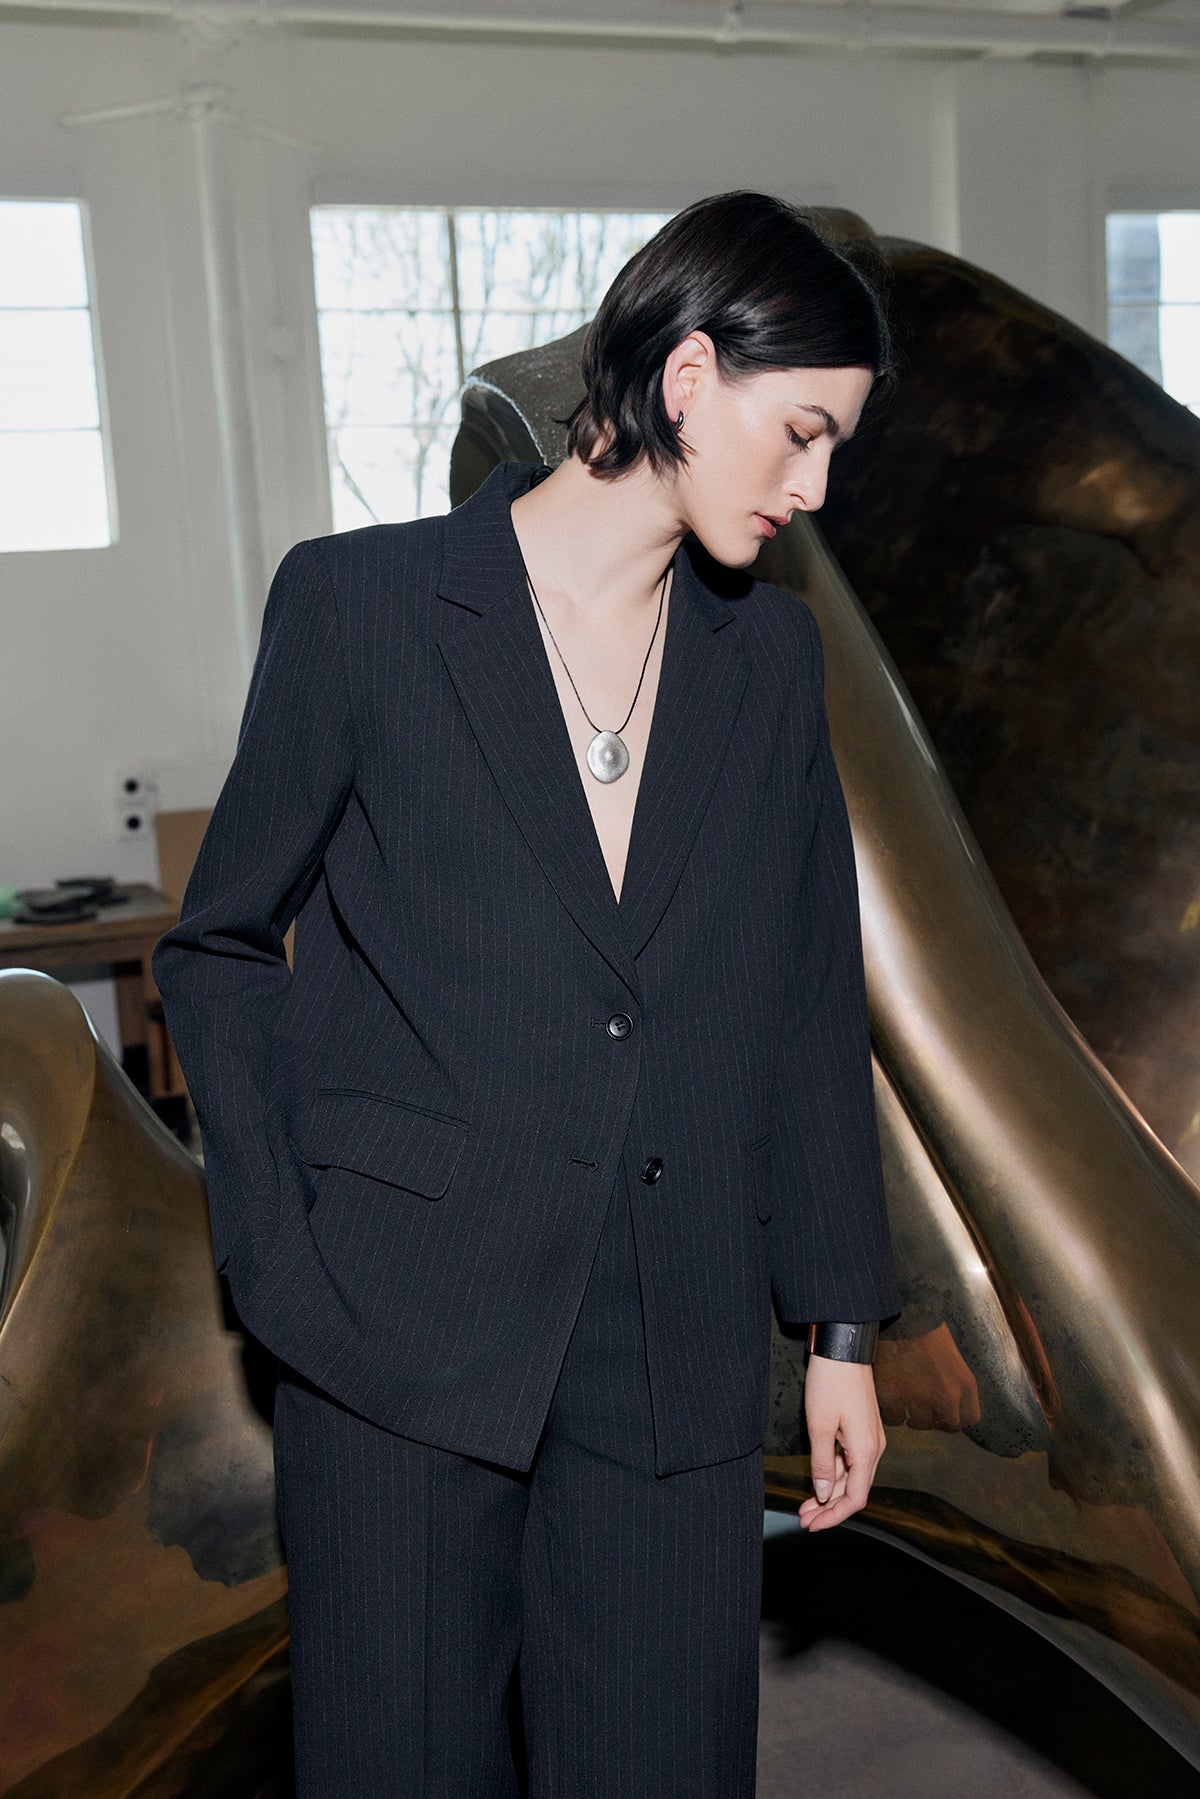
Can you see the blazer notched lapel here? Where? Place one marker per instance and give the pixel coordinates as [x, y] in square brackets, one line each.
[493, 649]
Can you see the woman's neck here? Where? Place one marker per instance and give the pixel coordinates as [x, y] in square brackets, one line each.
[597, 548]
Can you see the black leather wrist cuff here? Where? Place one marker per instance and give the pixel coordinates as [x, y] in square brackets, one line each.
[844, 1342]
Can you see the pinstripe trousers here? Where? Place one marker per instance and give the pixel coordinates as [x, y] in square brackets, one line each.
[583, 1629]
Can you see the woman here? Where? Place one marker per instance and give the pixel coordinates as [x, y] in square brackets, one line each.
[572, 1071]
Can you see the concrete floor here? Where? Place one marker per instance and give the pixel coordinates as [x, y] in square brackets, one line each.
[885, 1679]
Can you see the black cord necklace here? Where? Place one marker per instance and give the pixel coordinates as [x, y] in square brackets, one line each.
[607, 756]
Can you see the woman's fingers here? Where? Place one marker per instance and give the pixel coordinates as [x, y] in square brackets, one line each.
[846, 1437]
[854, 1493]
[848, 1497]
[813, 1507]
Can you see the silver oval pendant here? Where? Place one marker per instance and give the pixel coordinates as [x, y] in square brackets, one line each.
[607, 756]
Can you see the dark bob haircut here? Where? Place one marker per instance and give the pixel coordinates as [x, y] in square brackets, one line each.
[758, 276]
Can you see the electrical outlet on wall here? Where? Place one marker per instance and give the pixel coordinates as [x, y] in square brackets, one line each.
[137, 802]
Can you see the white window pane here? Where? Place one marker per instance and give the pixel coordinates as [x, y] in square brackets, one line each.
[1179, 336]
[388, 280]
[52, 491]
[389, 474]
[386, 367]
[506, 261]
[513, 260]
[41, 253]
[366, 257]
[493, 334]
[1133, 333]
[1154, 297]
[47, 373]
[1133, 257]
[1179, 251]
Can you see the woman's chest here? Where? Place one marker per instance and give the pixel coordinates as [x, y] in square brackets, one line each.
[608, 683]
[473, 788]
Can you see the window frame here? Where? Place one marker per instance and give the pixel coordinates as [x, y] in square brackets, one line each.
[49, 194]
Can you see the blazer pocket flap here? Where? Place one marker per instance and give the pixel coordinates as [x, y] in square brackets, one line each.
[384, 1138]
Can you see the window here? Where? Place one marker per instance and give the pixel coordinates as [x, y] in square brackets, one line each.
[1154, 297]
[409, 301]
[53, 488]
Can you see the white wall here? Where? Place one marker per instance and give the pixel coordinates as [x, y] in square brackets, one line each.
[137, 656]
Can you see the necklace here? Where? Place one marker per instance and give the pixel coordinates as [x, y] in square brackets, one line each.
[607, 756]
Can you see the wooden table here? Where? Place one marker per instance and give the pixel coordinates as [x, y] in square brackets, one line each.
[122, 937]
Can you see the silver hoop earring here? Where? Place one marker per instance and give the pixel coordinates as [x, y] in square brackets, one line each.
[679, 422]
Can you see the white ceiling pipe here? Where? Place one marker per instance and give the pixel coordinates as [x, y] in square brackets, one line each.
[861, 27]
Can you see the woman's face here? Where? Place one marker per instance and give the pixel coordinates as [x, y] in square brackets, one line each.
[760, 444]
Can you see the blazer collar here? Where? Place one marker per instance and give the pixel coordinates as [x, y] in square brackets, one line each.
[490, 640]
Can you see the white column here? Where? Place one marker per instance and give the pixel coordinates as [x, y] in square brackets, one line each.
[206, 108]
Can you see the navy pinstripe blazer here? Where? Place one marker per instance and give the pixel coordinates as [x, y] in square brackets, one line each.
[410, 1140]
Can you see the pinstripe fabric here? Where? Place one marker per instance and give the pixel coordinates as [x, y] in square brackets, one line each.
[411, 1140]
[642, 1593]
[418, 1580]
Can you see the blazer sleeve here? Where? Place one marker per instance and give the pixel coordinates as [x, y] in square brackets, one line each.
[222, 969]
[832, 1255]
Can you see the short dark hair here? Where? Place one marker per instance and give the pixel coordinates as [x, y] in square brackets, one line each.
[759, 276]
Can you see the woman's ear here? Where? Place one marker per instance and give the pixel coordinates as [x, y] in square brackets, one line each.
[689, 365]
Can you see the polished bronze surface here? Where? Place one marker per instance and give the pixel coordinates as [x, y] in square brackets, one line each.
[1022, 524]
[1041, 1389]
[142, 1613]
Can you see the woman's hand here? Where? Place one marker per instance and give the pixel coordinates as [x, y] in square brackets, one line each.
[841, 1409]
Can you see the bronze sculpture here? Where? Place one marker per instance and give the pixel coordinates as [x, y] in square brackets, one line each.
[143, 1629]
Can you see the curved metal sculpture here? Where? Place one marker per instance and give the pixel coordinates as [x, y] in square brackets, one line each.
[143, 1629]
[1042, 1388]
[1022, 526]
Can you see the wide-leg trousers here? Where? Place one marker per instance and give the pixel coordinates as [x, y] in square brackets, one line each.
[602, 1618]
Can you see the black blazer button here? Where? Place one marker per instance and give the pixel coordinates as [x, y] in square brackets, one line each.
[620, 1024]
[652, 1170]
